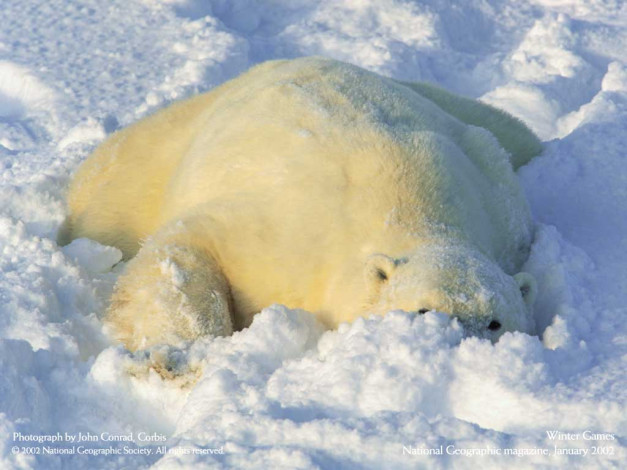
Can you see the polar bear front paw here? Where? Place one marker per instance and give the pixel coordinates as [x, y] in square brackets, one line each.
[170, 293]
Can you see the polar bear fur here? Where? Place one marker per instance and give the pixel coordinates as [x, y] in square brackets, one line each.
[314, 184]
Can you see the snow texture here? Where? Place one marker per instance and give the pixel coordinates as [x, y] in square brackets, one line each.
[284, 393]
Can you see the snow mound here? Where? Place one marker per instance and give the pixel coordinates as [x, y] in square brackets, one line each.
[20, 91]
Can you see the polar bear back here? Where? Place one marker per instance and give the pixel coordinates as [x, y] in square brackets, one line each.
[292, 147]
[326, 144]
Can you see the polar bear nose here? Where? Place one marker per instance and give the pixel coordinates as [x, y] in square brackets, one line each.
[494, 325]
[422, 311]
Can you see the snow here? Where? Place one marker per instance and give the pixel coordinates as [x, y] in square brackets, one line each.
[284, 393]
[94, 257]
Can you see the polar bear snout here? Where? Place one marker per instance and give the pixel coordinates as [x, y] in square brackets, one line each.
[494, 325]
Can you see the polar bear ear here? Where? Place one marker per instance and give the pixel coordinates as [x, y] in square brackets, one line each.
[528, 287]
[379, 268]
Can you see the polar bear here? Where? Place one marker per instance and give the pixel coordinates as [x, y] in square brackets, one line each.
[314, 184]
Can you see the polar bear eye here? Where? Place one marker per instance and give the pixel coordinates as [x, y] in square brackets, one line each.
[382, 275]
[494, 325]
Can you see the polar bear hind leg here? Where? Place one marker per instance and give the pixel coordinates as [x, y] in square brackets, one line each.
[512, 134]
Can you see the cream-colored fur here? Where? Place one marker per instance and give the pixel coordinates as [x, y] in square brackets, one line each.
[314, 184]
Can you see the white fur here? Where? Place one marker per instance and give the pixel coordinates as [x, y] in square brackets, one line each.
[314, 184]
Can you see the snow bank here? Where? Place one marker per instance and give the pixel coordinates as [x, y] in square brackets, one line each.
[384, 392]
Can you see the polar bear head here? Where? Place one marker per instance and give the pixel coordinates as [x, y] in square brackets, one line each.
[456, 280]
